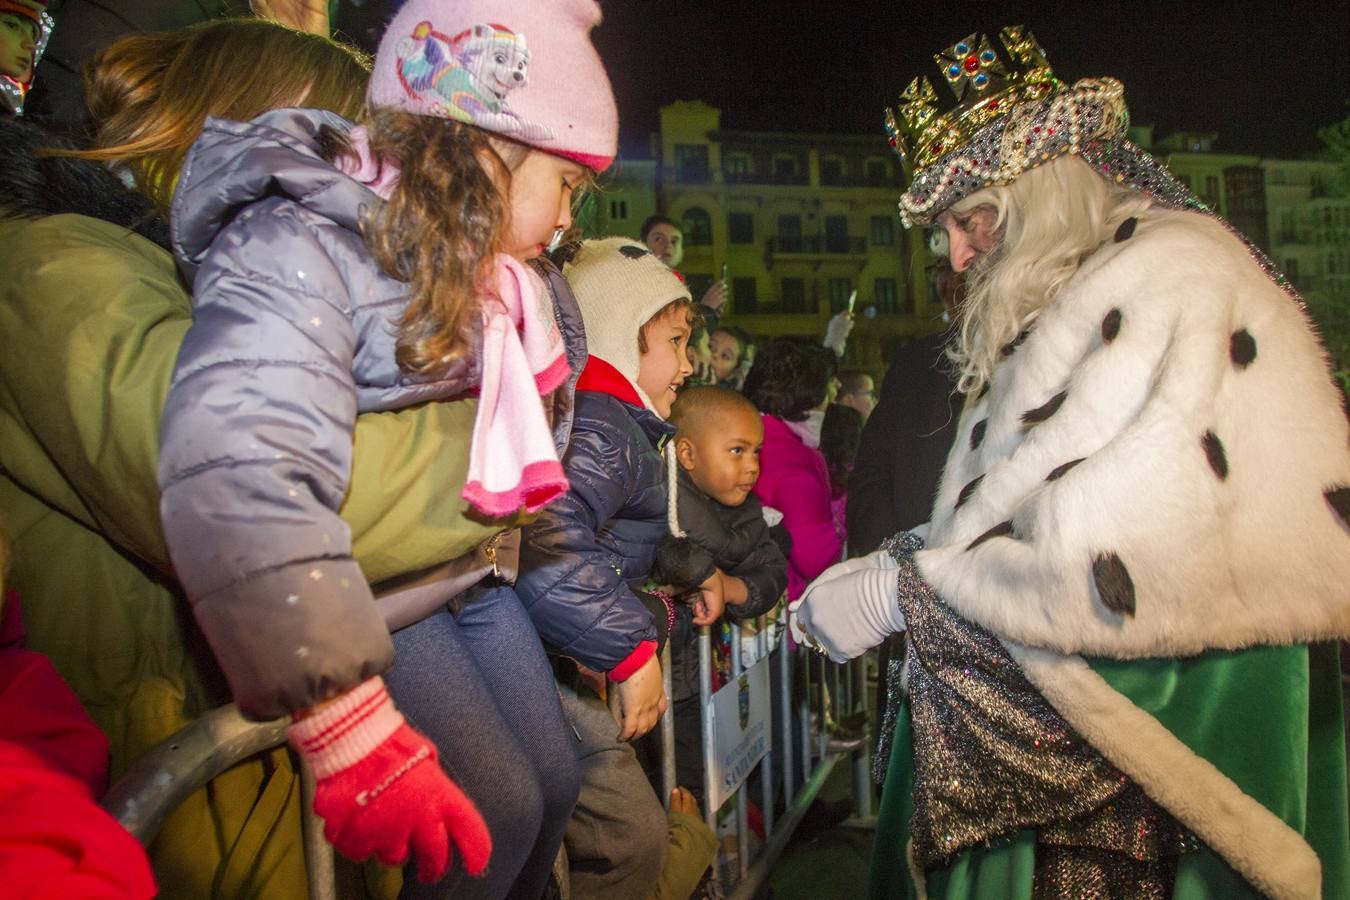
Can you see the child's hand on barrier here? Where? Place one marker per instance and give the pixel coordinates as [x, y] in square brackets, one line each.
[381, 790]
[642, 700]
[711, 600]
[682, 801]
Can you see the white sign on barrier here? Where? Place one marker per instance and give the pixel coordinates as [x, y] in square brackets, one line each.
[740, 724]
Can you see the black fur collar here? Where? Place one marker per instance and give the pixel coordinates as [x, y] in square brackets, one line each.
[32, 186]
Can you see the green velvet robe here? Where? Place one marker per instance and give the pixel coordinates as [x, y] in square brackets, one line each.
[1249, 712]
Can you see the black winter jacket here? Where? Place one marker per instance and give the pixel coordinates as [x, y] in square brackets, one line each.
[581, 560]
[735, 539]
[904, 446]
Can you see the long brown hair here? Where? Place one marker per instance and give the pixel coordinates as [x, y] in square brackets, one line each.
[440, 227]
[443, 223]
[148, 95]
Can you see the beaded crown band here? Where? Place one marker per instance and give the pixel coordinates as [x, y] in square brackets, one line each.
[1010, 114]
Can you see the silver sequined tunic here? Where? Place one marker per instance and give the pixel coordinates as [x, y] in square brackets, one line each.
[992, 757]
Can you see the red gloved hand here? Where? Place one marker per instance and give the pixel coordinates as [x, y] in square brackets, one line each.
[381, 791]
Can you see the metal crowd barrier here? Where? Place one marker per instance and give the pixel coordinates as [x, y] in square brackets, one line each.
[147, 793]
[143, 798]
[806, 755]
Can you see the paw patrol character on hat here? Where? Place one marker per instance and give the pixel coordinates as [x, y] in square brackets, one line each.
[470, 75]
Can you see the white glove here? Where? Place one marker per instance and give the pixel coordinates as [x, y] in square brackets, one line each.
[837, 332]
[877, 559]
[851, 608]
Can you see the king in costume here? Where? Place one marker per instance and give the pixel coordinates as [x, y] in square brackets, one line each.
[1122, 675]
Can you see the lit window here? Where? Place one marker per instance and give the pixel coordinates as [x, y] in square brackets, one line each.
[697, 227]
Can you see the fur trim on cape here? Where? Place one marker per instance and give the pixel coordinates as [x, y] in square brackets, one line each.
[1157, 464]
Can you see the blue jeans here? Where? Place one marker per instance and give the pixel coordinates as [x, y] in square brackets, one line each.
[479, 686]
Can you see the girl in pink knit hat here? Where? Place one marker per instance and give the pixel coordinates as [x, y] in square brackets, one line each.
[341, 268]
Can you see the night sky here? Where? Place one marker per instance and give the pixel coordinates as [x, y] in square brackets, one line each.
[1264, 76]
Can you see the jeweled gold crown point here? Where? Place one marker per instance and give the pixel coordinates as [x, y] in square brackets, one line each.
[984, 86]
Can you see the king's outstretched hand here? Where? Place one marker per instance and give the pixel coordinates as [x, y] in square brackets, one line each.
[851, 608]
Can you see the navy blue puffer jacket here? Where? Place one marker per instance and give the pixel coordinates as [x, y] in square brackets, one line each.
[581, 559]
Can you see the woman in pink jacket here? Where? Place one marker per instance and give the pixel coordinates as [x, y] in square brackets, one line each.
[789, 384]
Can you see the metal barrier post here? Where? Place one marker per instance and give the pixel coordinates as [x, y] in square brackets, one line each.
[142, 799]
[839, 693]
[804, 710]
[742, 813]
[667, 729]
[179, 765]
[766, 766]
[862, 757]
[709, 739]
[822, 732]
[318, 852]
[785, 707]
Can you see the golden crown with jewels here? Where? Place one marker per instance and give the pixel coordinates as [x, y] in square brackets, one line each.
[985, 87]
[1010, 113]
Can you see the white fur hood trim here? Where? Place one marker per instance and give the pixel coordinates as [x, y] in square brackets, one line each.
[1174, 499]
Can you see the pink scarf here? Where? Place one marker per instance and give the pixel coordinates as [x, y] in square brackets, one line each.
[512, 461]
[381, 177]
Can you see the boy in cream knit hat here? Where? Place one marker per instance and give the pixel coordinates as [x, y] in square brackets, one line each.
[625, 292]
[584, 561]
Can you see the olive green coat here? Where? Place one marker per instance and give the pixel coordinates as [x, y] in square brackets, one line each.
[91, 318]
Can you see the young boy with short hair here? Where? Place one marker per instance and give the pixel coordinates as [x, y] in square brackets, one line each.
[718, 437]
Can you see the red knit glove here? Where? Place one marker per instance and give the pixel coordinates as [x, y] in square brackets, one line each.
[381, 791]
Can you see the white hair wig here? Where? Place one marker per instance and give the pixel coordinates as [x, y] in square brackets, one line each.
[1049, 220]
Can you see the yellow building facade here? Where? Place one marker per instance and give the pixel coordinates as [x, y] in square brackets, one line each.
[799, 221]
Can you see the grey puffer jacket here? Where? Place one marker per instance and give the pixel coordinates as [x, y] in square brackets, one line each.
[293, 333]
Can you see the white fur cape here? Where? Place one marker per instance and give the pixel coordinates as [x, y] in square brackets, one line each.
[1165, 446]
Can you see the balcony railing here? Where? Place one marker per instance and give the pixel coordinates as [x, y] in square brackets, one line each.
[817, 245]
[765, 177]
[870, 180]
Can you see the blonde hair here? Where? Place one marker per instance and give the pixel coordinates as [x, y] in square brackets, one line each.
[148, 95]
[1049, 220]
